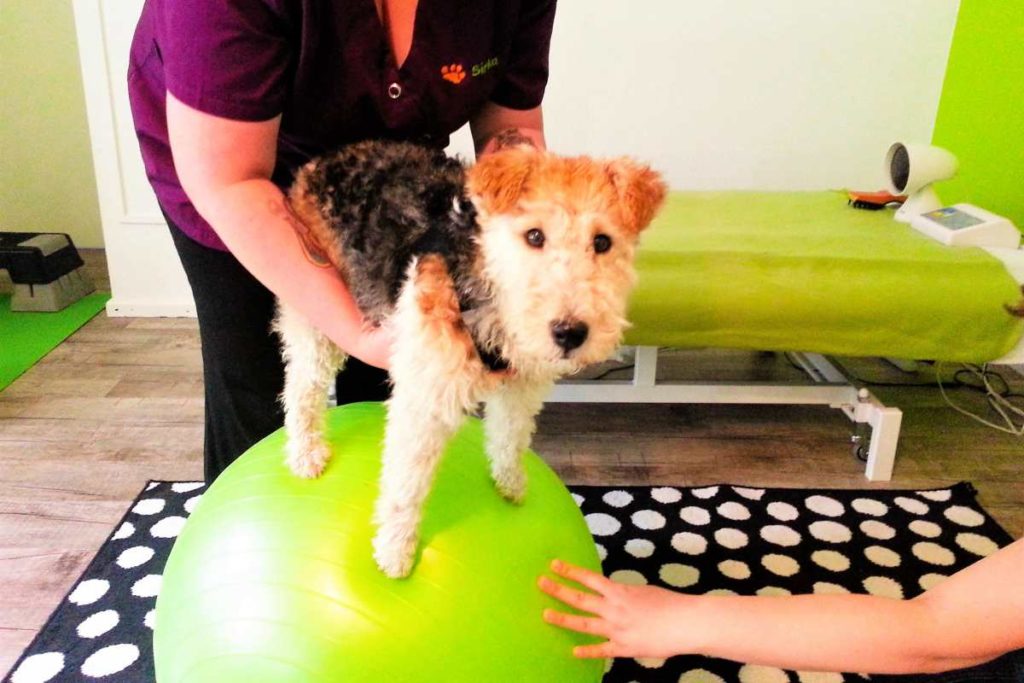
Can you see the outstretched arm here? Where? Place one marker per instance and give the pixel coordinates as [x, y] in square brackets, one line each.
[225, 167]
[968, 619]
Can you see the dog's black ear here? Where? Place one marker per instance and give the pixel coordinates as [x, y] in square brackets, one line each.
[500, 179]
[640, 189]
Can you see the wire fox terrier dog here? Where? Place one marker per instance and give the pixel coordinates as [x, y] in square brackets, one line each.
[497, 279]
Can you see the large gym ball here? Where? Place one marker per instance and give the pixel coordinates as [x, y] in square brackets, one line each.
[273, 579]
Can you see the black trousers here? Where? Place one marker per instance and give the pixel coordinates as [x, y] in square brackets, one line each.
[243, 372]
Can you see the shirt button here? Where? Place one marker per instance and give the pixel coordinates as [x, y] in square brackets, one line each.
[394, 91]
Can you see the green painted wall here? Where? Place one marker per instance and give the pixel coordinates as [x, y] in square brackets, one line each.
[46, 174]
[981, 114]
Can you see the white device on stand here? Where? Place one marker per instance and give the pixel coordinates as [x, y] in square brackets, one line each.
[911, 170]
[964, 225]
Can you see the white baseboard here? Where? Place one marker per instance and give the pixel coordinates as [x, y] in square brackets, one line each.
[120, 308]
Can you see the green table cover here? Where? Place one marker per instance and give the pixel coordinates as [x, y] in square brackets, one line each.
[803, 271]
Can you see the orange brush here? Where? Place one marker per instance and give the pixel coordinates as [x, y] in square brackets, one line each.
[873, 201]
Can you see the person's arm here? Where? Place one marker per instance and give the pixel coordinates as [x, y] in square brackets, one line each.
[225, 167]
[496, 127]
[968, 619]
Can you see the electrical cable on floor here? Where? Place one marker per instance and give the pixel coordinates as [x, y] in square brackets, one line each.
[980, 378]
[998, 401]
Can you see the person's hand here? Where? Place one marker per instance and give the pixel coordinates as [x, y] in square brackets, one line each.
[374, 345]
[638, 621]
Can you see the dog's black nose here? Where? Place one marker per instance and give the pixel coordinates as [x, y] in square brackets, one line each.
[569, 334]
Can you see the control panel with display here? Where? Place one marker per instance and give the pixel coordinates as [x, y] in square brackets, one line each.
[965, 225]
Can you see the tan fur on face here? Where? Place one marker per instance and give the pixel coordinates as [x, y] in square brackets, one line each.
[627, 192]
[571, 200]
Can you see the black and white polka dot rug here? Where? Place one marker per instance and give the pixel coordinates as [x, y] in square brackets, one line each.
[707, 540]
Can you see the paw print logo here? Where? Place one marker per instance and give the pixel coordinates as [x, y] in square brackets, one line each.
[453, 73]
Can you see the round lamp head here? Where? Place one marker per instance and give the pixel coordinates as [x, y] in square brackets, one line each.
[911, 170]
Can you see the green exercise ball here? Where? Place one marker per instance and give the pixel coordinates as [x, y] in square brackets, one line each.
[273, 579]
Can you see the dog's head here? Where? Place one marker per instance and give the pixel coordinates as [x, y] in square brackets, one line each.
[558, 236]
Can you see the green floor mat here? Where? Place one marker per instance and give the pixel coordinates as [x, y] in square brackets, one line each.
[26, 337]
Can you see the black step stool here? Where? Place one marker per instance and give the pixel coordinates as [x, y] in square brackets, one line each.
[46, 269]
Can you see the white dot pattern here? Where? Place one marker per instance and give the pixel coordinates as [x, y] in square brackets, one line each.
[869, 506]
[780, 565]
[639, 547]
[648, 519]
[104, 626]
[666, 494]
[628, 577]
[877, 530]
[695, 515]
[39, 668]
[734, 511]
[778, 534]
[700, 676]
[976, 544]
[925, 528]
[618, 499]
[734, 569]
[831, 532]
[689, 543]
[912, 505]
[98, 624]
[110, 660]
[715, 540]
[964, 516]
[754, 673]
[825, 505]
[679, 575]
[933, 553]
[784, 512]
[731, 538]
[602, 524]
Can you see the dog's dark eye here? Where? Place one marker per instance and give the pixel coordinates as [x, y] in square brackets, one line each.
[535, 238]
[602, 243]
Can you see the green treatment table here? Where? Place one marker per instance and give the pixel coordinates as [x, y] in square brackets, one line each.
[804, 273]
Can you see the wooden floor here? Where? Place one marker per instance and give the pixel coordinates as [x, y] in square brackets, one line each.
[121, 402]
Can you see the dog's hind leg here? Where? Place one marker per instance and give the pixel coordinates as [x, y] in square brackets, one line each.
[436, 373]
[509, 425]
[311, 363]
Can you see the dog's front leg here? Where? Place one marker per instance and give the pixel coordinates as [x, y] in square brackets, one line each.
[436, 372]
[415, 439]
[311, 363]
[509, 424]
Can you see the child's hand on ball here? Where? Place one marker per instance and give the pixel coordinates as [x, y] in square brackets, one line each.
[638, 621]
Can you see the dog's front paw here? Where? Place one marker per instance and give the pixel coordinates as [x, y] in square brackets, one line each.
[309, 462]
[394, 552]
[511, 484]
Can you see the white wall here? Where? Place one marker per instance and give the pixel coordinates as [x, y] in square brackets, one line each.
[738, 94]
[726, 94]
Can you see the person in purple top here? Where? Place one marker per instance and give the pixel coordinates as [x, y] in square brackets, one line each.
[230, 98]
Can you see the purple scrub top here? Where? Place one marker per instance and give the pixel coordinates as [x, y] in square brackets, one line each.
[327, 68]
